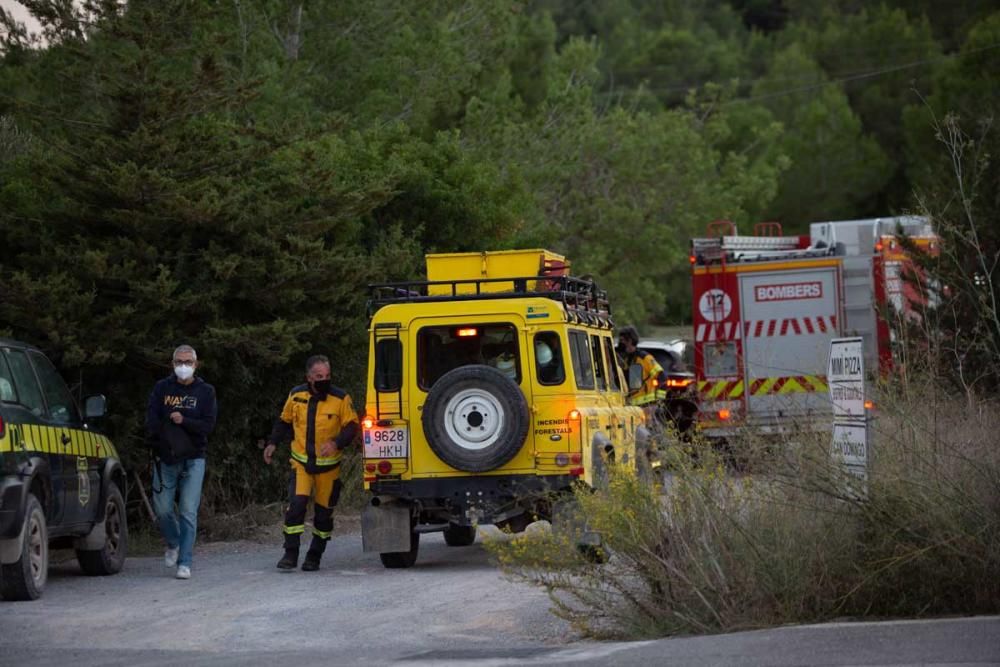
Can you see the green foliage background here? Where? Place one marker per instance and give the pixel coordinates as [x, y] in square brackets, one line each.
[232, 175]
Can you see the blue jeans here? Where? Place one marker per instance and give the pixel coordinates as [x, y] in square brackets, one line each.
[181, 481]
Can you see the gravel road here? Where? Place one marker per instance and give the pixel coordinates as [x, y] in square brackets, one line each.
[238, 603]
[453, 608]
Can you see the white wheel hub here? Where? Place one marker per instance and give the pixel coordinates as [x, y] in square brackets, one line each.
[474, 419]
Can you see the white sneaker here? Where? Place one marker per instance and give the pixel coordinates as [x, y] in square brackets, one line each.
[183, 572]
[170, 556]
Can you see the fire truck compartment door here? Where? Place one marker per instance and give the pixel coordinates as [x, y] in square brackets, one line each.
[789, 318]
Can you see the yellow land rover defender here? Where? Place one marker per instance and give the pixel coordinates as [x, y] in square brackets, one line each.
[493, 387]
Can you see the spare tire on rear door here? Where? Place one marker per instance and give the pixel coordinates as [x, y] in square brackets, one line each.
[475, 418]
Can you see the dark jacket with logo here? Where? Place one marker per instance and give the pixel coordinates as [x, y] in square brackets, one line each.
[195, 402]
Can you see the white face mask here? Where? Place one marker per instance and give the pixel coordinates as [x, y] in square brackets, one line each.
[184, 372]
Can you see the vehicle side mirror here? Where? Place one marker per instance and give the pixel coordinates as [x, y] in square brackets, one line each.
[634, 377]
[95, 406]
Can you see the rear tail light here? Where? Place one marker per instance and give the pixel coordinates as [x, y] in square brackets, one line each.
[370, 467]
[575, 458]
[384, 467]
[725, 414]
[576, 472]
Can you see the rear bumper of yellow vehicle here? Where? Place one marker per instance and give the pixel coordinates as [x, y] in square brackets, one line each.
[492, 493]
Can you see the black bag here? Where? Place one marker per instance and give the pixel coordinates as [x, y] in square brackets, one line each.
[175, 444]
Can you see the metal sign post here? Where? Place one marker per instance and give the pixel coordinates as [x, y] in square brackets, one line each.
[846, 379]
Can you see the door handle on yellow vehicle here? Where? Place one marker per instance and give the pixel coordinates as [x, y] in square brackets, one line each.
[66, 440]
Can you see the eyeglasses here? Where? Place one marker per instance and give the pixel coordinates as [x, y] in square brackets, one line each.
[184, 362]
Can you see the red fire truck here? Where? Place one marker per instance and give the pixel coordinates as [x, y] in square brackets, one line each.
[765, 307]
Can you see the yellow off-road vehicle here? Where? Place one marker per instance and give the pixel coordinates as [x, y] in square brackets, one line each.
[493, 388]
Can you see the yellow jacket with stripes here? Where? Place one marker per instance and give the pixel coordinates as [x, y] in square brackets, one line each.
[653, 379]
[310, 420]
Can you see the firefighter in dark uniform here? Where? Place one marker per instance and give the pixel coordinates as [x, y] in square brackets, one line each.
[320, 421]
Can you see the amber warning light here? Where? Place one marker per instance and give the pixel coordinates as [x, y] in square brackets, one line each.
[465, 333]
[367, 423]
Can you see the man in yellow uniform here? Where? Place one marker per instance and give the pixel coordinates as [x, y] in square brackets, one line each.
[320, 421]
[654, 380]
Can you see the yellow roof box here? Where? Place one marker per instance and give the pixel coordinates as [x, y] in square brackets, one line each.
[483, 269]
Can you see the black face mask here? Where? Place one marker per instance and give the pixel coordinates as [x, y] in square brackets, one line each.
[321, 387]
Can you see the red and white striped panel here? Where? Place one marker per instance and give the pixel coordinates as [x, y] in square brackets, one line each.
[792, 326]
[720, 331]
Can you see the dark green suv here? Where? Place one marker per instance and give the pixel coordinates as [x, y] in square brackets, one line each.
[61, 484]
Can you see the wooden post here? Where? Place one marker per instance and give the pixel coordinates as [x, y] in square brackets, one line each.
[145, 498]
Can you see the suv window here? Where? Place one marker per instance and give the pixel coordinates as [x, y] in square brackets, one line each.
[7, 393]
[687, 357]
[25, 384]
[582, 366]
[388, 364]
[441, 349]
[595, 349]
[553, 372]
[62, 408]
[609, 353]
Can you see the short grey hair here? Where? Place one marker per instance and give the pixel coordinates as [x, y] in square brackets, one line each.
[316, 359]
[185, 348]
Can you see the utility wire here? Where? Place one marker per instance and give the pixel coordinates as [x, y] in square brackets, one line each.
[857, 77]
[819, 84]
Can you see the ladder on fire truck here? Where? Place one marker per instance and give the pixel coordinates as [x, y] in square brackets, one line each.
[724, 244]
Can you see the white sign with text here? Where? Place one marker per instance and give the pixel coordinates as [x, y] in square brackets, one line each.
[850, 443]
[845, 375]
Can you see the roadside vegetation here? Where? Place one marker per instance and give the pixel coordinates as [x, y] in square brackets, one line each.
[794, 540]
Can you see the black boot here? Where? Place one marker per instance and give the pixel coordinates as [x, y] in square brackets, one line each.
[311, 563]
[289, 561]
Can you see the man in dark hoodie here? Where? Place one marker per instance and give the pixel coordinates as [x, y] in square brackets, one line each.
[180, 415]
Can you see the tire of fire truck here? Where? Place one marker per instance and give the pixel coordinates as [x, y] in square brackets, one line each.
[402, 559]
[475, 418]
[459, 536]
[680, 414]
